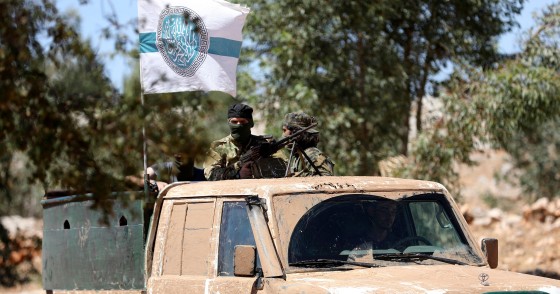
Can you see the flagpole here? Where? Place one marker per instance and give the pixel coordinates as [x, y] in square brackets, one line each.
[144, 150]
[198, 75]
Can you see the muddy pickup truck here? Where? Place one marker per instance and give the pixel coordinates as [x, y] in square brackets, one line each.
[296, 235]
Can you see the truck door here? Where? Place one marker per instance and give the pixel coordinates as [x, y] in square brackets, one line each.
[183, 247]
[235, 229]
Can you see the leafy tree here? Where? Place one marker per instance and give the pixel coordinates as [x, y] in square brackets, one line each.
[29, 116]
[358, 65]
[63, 118]
[513, 106]
[180, 123]
[526, 109]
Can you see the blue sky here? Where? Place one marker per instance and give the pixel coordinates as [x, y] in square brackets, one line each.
[94, 20]
[509, 43]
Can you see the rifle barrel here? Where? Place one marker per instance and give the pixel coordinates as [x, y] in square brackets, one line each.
[294, 135]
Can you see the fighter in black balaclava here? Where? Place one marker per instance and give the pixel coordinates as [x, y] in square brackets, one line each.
[240, 120]
[236, 155]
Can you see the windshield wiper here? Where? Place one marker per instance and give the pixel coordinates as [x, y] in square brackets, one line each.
[416, 256]
[318, 263]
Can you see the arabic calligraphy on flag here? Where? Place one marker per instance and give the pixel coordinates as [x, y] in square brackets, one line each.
[189, 45]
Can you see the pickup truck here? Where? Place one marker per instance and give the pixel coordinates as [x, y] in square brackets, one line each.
[291, 235]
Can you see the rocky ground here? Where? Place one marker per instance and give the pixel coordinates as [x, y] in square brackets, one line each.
[528, 241]
[20, 254]
[528, 233]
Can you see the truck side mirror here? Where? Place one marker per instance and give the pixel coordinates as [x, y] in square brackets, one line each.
[490, 248]
[244, 260]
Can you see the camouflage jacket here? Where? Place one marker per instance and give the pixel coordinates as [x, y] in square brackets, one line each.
[299, 167]
[222, 161]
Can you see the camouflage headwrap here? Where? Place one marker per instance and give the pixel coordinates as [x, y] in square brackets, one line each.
[241, 111]
[299, 120]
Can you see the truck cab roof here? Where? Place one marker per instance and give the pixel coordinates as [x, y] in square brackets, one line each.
[284, 186]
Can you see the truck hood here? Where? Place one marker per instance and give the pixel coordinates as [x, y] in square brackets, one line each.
[411, 279]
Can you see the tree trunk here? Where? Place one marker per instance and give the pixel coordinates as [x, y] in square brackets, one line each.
[421, 91]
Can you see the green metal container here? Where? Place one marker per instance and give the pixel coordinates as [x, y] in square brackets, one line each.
[87, 249]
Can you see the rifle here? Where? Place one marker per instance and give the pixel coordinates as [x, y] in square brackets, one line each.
[269, 148]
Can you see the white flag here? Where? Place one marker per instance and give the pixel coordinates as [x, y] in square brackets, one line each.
[189, 45]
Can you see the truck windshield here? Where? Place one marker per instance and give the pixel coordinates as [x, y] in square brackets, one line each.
[367, 229]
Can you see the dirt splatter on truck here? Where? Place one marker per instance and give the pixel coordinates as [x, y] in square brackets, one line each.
[294, 235]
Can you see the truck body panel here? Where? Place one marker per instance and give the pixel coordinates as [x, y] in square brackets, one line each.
[412, 279]
[302, 230]
[88, 250]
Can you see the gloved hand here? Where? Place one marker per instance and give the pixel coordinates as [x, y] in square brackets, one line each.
[245, 171]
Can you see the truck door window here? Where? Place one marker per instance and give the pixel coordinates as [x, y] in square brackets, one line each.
[235, 229]
[431, 222]
[184, 253]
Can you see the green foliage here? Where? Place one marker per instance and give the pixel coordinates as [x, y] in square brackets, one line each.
[494, 201]
[179, 123]
[522, 109]
[32, 123]
[64, 125]
[537, 155]
[513, 106]
[490, 199]
[357, 65]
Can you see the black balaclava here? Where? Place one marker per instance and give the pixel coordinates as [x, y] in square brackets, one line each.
[241, 133]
